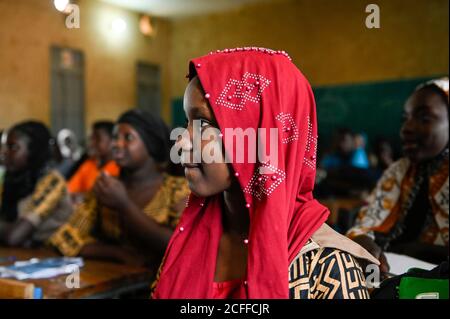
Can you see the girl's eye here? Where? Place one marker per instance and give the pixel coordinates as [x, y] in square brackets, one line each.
[129, 137]
[13, 147]
[425, 119]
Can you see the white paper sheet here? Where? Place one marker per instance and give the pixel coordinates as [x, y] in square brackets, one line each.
[400, 264]
[41, 268]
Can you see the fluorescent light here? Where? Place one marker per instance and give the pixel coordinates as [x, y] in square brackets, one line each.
[61, 5]
[118, 25]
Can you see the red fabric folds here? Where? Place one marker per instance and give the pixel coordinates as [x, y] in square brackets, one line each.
[253, 88]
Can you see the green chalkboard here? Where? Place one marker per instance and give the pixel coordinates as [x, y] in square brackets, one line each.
[374, 108]
[178, 117]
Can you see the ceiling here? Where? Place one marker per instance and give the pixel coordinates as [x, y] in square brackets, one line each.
[180, 8]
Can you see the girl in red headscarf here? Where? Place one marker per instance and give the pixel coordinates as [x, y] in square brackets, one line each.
[251, 228]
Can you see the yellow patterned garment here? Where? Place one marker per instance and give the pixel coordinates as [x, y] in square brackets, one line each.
[384, 208]
[91, 221]
[48, 207]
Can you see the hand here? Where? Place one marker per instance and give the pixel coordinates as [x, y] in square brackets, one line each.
[111, 193]
[376, 251]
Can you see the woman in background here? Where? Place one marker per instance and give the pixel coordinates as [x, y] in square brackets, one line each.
[34, 198]
[129, 219]
[407, 212]
[100, 159]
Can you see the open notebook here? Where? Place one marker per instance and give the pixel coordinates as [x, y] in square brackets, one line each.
[400, 264]
[41, 268]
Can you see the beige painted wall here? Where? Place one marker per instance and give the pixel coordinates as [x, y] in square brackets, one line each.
[29, 27]
[327, 39]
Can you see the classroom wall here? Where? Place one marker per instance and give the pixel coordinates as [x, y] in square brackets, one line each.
[361, 77]
[29, 27]
[328, 40]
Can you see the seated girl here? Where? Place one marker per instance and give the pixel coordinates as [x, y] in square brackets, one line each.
[129, 219]
[252, 228]
[34, 199]
[407, 212]
[100, 159]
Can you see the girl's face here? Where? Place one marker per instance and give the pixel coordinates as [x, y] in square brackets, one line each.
[424, 132]
[16, 152]
[100, 143]
[128, 149]
[205, 179]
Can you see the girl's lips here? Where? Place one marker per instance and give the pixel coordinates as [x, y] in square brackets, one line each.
[190, 165]
[119, 158]
[409, 145]
[119, 154]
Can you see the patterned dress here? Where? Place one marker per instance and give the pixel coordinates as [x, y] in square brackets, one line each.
[46, 208]
[386, 205]
[91, 221]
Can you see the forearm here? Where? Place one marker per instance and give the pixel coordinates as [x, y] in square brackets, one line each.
[364, 240]
[4, 229]
[144, 228]
[15, 234]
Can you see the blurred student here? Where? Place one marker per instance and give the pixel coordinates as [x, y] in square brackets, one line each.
[34, 199]
[359, 157]
[67, 153]
[129, 219]
[341, 155]
[100, 160]
[346, 167]
[407, 212]
[349, 151]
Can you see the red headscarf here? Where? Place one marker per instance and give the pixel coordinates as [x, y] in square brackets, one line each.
[252, 88]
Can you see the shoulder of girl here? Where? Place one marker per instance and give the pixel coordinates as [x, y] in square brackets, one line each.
[52, 177]
[49, 181]
[398, 168]
[174, 181]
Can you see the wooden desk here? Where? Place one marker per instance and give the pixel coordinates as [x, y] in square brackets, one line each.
[98, 279]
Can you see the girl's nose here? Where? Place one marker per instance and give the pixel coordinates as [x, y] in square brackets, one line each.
[118, 143]
[407, 129]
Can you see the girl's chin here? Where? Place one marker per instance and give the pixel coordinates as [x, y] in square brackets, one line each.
[197, 190]
[122, 162]
[201, 189]
[192, 173]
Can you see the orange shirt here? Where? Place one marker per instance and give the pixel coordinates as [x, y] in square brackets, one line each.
[84, 178]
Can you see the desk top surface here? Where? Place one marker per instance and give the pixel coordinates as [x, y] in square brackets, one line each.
[96, 277]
